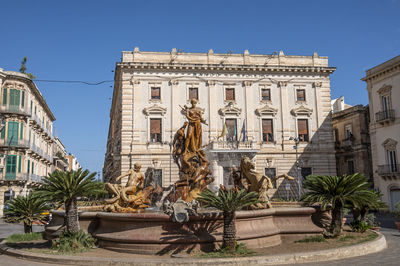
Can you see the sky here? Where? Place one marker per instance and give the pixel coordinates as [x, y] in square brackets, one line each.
[82, 41]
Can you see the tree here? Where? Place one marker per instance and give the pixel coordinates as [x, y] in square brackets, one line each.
[65, 187]
[336, 191]
[26, 209]
[228, 201]
[23, 68]
[373, 202]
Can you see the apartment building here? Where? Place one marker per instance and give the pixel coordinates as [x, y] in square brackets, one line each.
[26, 135]
[383, 86]
[60, 161]
[259, 101]
[352, 140]
[73, 163]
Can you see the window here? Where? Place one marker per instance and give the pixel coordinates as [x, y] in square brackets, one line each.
[229, 94]
[23, 99]
[231, 127]
[392, 160]
[155, 130]
[265, 95]
[267, 130]
[193, 93]
[301, 95]
[302, 125]
[305, 171]
[271, 173]
[348, 131]
[350, 167]
[12, 133]
[336, 135]
[14, 97]
[11, 167]
[29, 166]
[21, 133]
[155, 93]
[5, 96]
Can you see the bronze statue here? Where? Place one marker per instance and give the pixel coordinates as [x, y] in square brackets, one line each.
[258, 182]
[194, 132]
[131, 197]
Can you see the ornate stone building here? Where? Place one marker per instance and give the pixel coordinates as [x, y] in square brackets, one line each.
[260, 100]
[383, 85]
[26, 135]
[352, 140]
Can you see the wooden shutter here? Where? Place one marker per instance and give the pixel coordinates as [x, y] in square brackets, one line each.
[19, 163]
[267, 126]
[5, 96]
[23, 99]
[230, 94]
[29, 166]
[302, 126]
[21, 133]
[193, 93]
[155, 126]
[155, 93]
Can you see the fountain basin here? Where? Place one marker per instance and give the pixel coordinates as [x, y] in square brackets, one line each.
[156, 233]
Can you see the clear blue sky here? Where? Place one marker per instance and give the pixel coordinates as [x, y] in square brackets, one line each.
[82, 40]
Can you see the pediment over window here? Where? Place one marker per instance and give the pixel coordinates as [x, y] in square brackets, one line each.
[385, 89]
[389, 144]
[301, 110]
[266, 110]
[230, 109]
[154, 110]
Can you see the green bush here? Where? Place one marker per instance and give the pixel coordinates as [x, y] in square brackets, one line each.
[14, 238]
[360, 227]
[74, 242]
[311, 239]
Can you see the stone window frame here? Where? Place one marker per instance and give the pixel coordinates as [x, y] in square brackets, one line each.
[267, 112]
[235, 90]
[390, 145]
[308, 128]
[268, 87]
[385, 91]
[154, 85]
[300, 87]
[345, 131]
[155, 111]
[162, 129]
[15, 86]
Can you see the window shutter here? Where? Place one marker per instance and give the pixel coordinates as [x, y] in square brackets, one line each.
[33, 167]
[19, 163]
[267, 125]
[193, 93]
[3, 133]
[302, 126]
[230, 94]
[5, 96]
[23, 99]
[21, 134]
[155, 126]
[29, 166]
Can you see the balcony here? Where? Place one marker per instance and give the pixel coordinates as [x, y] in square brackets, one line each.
[385, 116]
[232, 145]
[15, 143]
[22, 177]
[40, 152]
[347, 143]
[389, 169]
[14, 109]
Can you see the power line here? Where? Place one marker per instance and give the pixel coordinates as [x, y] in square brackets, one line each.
[74, 81]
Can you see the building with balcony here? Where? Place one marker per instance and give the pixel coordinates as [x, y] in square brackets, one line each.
[260, 100]
[60, 162]
[352, 140]
[26, 135]
[383, 86]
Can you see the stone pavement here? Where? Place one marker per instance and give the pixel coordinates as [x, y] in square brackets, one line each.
[390, 256]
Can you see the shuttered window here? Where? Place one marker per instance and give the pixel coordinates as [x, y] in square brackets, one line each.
[302, 125]
[265, 95]
[229, 94]
[14, 97]
[23, 99]
[21, 133]
[267, 130]
[155, 130]
[19, 163]
[5, 96]
[301, 95]
[3, 132]
[231, 127]
[29, 166]
[155, 93]
[193, 93]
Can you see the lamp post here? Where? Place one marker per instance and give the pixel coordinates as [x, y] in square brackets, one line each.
[295, 147]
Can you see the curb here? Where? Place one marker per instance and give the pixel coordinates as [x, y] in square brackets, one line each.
[361, 249]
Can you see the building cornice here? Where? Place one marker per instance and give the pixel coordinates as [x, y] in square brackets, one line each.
[224, 68]
[383, 69]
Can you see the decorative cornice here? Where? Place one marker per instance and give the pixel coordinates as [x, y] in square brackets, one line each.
[211, 82]
[230, 110]
[282, 84]
[247, 83]
[173, 82]
[317, 84]
[301, 110]
[154, 110]
[389, 144]
[385, 89]
[266, 110]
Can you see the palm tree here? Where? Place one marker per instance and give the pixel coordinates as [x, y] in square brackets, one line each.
[373, 202]
[228, 201]
[26, 209]
[336, 191]
[65, 187]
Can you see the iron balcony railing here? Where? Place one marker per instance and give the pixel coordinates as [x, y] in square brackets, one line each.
[15, 109]
[389, 169]
[40, 152]
[384, 115]
[18, 143]
[232, 145]
[21, 177]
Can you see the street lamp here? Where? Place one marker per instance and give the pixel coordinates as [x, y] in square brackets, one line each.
[295, 147]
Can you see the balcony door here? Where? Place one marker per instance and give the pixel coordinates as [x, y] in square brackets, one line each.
[14, 99]
[392, 160]
[12, 133]
[11, 167]
[231, 127]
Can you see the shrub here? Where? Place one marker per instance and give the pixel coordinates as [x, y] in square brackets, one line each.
[360, 227]
[74, 242]
[14, 238]
[311, 239]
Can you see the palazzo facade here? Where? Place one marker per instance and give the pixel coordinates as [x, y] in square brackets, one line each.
[253, 105]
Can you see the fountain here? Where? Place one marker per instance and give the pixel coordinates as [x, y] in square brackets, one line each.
[126, 224]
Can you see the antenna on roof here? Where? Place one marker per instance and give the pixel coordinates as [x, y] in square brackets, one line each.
[269, 57]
